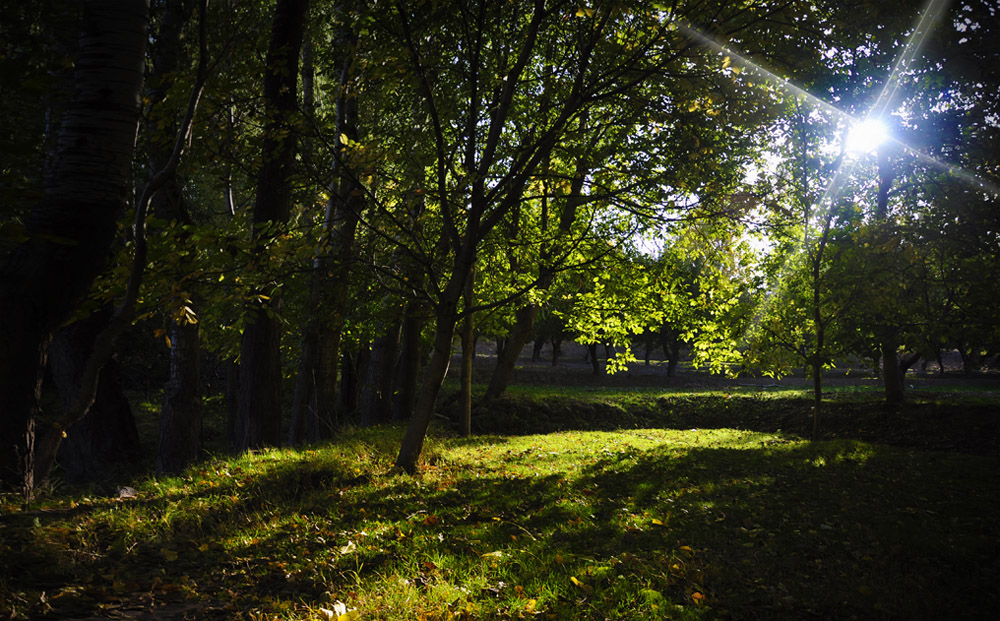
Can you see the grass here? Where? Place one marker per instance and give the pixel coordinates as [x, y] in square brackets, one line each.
[659, 515]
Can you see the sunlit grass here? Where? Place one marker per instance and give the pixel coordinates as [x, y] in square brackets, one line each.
[632, 523]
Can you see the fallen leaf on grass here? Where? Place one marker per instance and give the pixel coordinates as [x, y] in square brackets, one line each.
[586, 588]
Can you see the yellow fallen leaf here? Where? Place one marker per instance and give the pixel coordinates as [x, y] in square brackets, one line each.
[685, 549]
[657, 522]
[169, 555]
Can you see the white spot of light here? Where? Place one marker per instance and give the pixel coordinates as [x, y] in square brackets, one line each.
[866, 136]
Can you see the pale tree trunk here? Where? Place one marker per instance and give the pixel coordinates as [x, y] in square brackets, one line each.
[72, 228]
[258, 419]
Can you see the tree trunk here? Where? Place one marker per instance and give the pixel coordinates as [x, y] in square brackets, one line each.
[180, 415]
[817, 371]
[525, 315]
[375, 394]
[73, 226]
[259, 414]
[107, 435]
[536, 349]
[468, 356]
[327, 416]
[413, 441]
[595, 363]
[347, 404]
[519, 335]
[317, 375]
[409, 364]
[445, 318]
[891, 377]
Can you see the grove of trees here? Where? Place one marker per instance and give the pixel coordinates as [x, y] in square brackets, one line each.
[309, 204]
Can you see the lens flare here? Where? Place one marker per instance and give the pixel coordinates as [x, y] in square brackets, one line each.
[866, 136]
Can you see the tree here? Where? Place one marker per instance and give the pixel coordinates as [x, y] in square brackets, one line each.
[258, 421]
[70, 231]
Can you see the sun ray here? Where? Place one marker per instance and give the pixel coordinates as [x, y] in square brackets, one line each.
[928, 17]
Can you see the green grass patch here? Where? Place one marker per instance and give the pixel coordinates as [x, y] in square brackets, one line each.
[699, 523]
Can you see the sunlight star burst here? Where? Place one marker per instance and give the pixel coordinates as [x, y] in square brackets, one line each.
[866, 136]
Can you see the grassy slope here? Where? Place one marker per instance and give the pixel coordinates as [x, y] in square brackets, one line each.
[670, 516]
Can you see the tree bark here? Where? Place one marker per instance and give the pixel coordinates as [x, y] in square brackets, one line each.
[891, 377]
[107, 435]
[409, 364]
[181, 412]
[437, 369]
[525, 316]
[71, 230]
[468, 357]
[893, 381]
[375, 394]
[258, 420]
[317, 376]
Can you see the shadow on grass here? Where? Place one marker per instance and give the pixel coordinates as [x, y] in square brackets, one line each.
[930, 423]
[758, 526]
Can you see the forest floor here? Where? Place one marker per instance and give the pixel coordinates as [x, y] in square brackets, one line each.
[633, 496]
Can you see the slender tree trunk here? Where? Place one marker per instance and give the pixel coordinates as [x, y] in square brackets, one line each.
[437, 369]
[595, 363]
[536, 349]
[180, 415]
[891, 377]
[258, 421]
[317, 375]
[525, 316]
[374, 395]
[409, 364]
[893, 381]
[72, 228]
[468, 357]
[524, 320]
